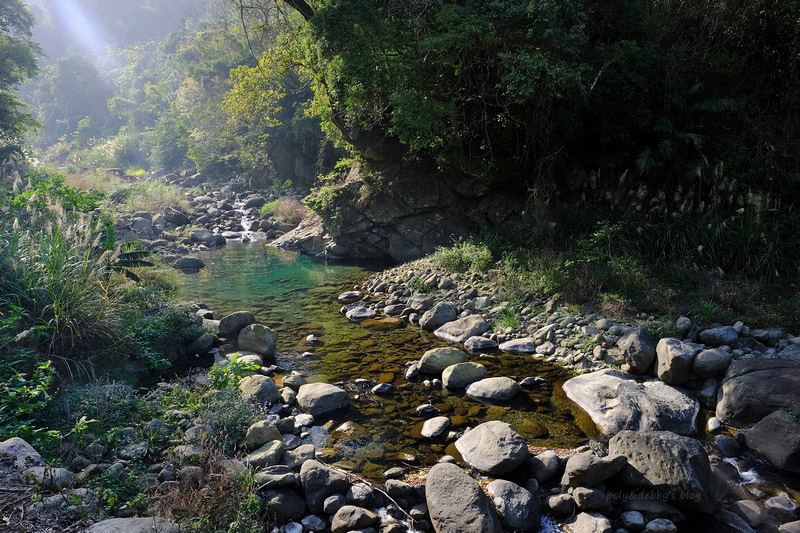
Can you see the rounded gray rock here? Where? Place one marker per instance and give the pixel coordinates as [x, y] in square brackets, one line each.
[462, 374]
[493, 448]
[320, 399]
[457, 504]
[518, 507]
[499, 389]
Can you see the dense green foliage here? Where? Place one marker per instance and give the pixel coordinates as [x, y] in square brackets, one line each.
[18, 56]
[70, 294]
[563, 92]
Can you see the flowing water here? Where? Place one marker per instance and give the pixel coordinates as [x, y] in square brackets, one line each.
[297, 297]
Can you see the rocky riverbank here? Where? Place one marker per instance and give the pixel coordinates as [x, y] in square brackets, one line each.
[650, 470]
[693, 427]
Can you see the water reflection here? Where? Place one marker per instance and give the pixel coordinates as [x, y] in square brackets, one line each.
[297, 297]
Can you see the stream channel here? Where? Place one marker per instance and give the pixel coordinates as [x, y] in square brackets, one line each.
[297, 297]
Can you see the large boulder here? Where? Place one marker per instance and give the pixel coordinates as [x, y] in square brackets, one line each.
[320, 399]
[17, 452]
[176, 217]
[441, 314]
[320, 481]
[435, 360]
[790, 352]
[675, 467]
[259, 339]
[269, 454]
[462, 374]
[675, 359]
[260, 389]
[457, 504]
[462, 329]
[493, 448]
[499, 389]
[589, 523]
[283, 505]
[776, 438]
[230, 325]
[134, 525]
[638, 349]
[755, 388]
[615, 401]
[260, 433]
[517, 506]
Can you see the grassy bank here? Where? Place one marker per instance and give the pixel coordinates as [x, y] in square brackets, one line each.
[620, 279]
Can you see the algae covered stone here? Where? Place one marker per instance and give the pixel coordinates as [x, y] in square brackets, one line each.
[437, 359]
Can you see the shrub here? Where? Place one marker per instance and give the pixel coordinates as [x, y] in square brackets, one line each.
[290, 210]
[464, 256]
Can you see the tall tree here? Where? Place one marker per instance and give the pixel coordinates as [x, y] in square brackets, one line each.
[18, 56]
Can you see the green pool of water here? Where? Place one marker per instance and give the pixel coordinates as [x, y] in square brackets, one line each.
[297, 297]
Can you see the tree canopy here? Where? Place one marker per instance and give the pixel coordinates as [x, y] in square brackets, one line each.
[18, 56]
[544, 90]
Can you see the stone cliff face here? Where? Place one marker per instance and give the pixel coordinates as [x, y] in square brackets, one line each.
[401, 212]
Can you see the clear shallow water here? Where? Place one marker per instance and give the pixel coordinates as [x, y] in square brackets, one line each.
[297, 297]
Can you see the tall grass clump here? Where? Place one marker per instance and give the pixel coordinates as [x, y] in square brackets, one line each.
[288, 209]
[464, 256]
[57, 293]
[67, 292]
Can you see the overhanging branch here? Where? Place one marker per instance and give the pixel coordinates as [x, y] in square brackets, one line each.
[301, 7]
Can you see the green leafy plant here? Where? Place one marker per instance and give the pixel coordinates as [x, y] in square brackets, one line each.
[706, 309]
[508, 318]
[419, 286]
[23, 397]
[267, 209]
[231, 372]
